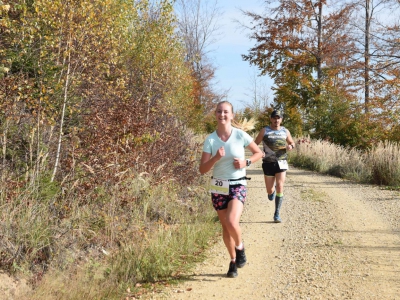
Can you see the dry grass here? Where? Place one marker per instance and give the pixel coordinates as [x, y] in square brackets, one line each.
[380, 165]
[130, 238]
[244, 124]
[107, 244]
[384, 161]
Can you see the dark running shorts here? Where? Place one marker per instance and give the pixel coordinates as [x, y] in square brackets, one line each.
[270, 169]
[236, 191]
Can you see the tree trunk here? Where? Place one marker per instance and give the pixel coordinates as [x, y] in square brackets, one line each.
[3, 173]
[366, 55]
[319, 55]
[56, 164]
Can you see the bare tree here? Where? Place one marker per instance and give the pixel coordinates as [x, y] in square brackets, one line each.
[258, 93]
[378, 43]
[198, 26]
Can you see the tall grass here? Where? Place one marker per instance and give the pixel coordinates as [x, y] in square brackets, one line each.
[102, 246]
[379, 165]
[384, 162]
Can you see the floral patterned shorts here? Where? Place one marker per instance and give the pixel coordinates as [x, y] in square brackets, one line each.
[236, 191]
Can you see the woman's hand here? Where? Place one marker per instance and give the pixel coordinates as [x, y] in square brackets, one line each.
[220, 153]
[207, 161]
[239, 163]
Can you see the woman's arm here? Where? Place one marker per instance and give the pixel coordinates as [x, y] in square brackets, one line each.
[257, 154]
[208, 161]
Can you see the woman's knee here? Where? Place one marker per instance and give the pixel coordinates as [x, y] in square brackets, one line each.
[232, 224]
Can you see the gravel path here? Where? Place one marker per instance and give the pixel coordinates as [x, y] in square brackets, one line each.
[338, 240]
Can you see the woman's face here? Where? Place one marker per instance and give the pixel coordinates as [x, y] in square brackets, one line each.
[224, 113]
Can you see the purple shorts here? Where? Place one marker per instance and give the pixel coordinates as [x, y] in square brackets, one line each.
[236, 191]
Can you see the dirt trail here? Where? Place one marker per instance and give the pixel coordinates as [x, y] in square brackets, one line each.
[338, 240]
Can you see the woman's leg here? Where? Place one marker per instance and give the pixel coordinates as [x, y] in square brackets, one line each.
[231, 231]
[228, 240]
[234, 212]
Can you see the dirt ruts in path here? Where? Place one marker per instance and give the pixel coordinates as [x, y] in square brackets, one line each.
[338, 240]
[342, 241]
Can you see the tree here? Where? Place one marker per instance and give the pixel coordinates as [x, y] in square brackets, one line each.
[77, 38]
[197, 22]
[297, 35]
[310, 51]
[108, 76]
[198, 25]
[376, 42]
[303, 47]
[137, 117]
[259, 95]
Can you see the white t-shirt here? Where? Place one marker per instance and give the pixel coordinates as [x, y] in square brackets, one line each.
[234, 148]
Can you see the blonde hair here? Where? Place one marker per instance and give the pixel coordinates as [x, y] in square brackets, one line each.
[244, 124]
[222, 102]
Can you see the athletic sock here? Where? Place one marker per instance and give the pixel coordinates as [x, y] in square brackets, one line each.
[279, 194]
[240, 247]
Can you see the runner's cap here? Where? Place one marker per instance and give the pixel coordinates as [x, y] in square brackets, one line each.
[276, 113]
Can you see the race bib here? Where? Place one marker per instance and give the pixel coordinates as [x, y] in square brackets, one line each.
[219, 186]
[283, 165]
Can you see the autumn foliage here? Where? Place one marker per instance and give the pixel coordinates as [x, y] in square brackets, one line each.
[98, 109]
[95, 89]
[334, 66]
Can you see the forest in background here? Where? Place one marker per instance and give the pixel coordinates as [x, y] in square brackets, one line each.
[103, 105]
[335, 67]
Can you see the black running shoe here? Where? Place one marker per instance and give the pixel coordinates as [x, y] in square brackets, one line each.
[232, 272]
[240, 258]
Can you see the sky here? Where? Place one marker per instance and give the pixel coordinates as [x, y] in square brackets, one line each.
[232, 41]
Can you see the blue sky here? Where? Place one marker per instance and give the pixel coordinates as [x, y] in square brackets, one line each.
[232, 72]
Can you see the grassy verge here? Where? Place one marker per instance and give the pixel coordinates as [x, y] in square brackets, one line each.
[379, 165]
[119, 241]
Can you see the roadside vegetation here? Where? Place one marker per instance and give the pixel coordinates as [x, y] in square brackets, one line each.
[117, 241]
[100, 110]
[380, 165]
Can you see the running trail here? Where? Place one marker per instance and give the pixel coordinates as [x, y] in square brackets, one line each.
[338, 240]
